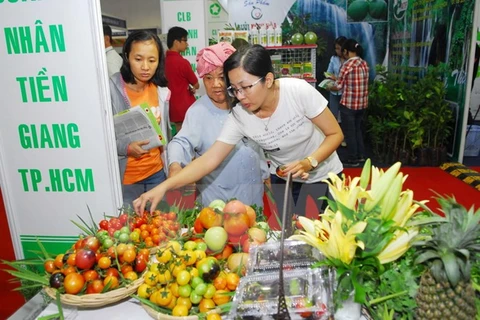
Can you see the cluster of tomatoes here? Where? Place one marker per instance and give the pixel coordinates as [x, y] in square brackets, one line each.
[116, 255]
[150, 230]
[187, 281]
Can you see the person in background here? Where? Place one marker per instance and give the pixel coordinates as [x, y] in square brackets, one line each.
[287, 117]
[336, 62]
[114, 61]
[182, 81]
[141, 80]
[242, 173]
[353, 80]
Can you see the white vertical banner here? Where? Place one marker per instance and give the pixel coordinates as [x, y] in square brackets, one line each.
[57, 143]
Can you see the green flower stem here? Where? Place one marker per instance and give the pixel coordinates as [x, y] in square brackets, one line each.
[382, 299]
[59, 305]
[49, 317]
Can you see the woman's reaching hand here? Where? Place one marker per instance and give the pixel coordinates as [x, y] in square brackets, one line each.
[153, 197]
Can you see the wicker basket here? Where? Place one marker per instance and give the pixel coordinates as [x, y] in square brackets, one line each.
[96, 300]
[161, 316]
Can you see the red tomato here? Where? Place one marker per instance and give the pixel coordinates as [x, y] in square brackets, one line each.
[198, 227]
[91, 242]
[49, 266]
[123, 218]
[139, 221]
[175, 226]
[112, 281]
[90, 275]
[235, 206]
[252, 216]
[236, 224]
[103, 225]
[111, 252]
[171, 216]
[226, 252]
[58, 262]
[111, 272]
[69, 269]
[71, 259]
[209, 218]
[85, 258]
[237, 240]
[141, 263]
[111, 231]
[78, 244]
[126, 268]
[73, 283]
[96, 286]
[115, 223]
[104, 262]
[129, 255]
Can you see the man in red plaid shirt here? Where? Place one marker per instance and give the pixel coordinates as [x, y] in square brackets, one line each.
[353, 79]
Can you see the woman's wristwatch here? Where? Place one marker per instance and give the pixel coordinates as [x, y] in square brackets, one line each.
[313, 162]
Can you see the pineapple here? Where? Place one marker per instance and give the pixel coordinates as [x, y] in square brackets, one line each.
[446, 290]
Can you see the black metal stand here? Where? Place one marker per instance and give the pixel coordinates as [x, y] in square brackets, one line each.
[282, 313]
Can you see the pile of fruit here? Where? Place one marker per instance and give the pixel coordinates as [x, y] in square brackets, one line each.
[107, 256]
[308, 38]
[183, 280]
[201, 275]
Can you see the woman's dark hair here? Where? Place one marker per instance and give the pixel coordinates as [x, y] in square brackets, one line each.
[239, 42]
[255, 60]
[340, 41]
[175, 33]
[158, 78]
[107, 31]
[352, 45]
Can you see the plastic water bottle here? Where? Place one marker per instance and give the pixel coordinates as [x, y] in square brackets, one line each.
[271, 36]
[263, 36]
[278, 36]
[254, 35]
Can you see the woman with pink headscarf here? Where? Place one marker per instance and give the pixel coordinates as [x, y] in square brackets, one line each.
[242, 173]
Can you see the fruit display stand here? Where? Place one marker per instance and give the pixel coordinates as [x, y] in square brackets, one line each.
[96, 300]
[298, 61]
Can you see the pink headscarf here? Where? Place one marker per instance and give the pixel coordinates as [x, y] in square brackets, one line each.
[212, 57]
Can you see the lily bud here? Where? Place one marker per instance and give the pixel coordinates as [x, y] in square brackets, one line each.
[380, 187]
[397, 246]
[390, 200]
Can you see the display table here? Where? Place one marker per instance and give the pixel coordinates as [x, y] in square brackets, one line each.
[125, 310]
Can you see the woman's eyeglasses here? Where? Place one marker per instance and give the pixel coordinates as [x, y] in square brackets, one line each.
[233, 92]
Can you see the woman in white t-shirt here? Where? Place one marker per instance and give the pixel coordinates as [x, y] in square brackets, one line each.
[287, 117]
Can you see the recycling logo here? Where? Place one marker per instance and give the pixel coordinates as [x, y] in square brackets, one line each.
[215, 9]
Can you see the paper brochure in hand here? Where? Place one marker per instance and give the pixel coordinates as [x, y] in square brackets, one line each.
[325, 84]
[139, 123]
[328, 74]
